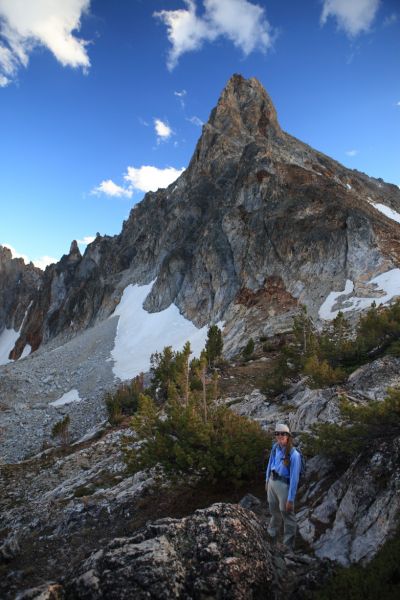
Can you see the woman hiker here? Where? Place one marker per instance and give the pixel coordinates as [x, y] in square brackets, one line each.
[281, 480]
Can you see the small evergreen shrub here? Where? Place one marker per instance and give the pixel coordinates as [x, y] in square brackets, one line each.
[61, 431]
[248, 350]
[378, 420]
[124, 401]
[321, 373]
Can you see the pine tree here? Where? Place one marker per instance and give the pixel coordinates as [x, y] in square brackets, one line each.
[214, 345]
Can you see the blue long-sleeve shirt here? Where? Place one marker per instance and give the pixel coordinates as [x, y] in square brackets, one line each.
[291, 472]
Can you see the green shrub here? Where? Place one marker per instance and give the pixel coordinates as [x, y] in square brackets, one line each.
[124, 401]
[321, 373]
[378, 420]
[223, 447]
[248, 349]
[276, 380]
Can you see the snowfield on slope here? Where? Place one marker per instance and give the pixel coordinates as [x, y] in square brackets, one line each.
[388, 283]
[140, 334]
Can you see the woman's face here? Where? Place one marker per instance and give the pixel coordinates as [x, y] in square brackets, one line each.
[282, 438]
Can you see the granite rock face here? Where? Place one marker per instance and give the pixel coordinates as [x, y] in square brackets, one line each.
[257, 223]
[18, 284]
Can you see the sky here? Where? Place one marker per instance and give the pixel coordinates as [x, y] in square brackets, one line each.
[101, 101]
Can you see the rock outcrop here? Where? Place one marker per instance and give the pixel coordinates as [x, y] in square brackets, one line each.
[18, 285]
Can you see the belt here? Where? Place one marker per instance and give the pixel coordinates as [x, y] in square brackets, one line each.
[275, 477]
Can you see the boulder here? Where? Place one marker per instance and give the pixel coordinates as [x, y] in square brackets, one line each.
[218, 552]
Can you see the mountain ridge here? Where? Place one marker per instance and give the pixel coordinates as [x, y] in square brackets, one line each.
[254, 206]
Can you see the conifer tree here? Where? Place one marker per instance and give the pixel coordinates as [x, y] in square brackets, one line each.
[214, 345]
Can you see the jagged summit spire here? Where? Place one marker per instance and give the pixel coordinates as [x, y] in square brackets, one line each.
[245, 106]
[244, 113]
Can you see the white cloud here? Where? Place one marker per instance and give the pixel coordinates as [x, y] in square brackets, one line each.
[143, 179]
[163, 130]
[353, 16]
[41, 262]
[44, 261]
[352, 152]
[398, 103]
[109, 188]
[148, 178]
[196, 121]
[87, 239]
[240, 21]
[4, 81]
[49, 23]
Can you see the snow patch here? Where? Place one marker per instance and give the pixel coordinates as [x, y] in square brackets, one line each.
[387, 283]
[140, 334]
[349, 186]
[388, 212]
[326, 310]
[26, 351]
[8, 337]
[68, 398]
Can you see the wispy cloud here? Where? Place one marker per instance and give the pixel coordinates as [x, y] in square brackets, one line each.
[42, 262]
[109, 188]
[163, 130]
[391, 20]
[27, 25]
[181, 95]
[351, 152]
[195, 121]
[242, 22]
[353, 17]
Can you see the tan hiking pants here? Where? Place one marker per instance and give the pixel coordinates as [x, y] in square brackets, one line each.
[277, 496]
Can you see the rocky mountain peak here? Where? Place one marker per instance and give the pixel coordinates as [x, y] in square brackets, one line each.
[245, 108]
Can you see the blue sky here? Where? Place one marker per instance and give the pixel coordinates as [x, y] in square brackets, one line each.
[102, 100]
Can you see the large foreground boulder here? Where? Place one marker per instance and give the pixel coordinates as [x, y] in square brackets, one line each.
[218, 552]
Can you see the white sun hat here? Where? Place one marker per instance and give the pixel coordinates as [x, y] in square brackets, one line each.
[282, 428]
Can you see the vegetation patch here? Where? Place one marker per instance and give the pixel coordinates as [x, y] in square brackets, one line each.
[361, 426]
[180, 425]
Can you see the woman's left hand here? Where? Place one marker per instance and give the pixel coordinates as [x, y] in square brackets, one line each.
[289, 506]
